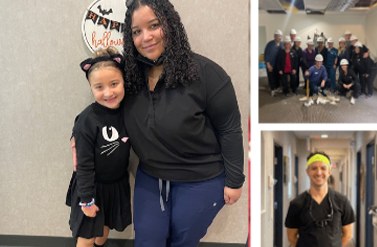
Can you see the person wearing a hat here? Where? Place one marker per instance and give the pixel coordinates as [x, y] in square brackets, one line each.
[318, 80]
[270, 54]
[297, 48]
[362, 66]
[348, 82]
[331, 63]
[342, 52]
[292, 34]
[319, 216]
[321, 49]
[347, 36]
[308, 58]
[351, 48]
[286, 64]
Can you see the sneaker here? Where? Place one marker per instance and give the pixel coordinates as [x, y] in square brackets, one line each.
[333, 103]
[272, 93]
[362, 95]
[309, 103]
[278, 90]
[322, 93]
[352, 101]
[368, 96]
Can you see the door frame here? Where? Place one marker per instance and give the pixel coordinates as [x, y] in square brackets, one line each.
[369, 191]
[358, 196]
[278, 195]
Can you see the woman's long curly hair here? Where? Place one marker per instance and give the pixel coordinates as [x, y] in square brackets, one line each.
[179, 67]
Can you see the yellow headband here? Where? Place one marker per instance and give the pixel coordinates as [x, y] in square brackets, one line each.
[318, 157]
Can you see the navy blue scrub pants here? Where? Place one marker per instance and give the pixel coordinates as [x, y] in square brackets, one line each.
[331, 72]
[189, 209]
[315, 85]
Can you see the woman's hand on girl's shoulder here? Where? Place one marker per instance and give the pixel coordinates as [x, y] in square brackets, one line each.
[90, 211]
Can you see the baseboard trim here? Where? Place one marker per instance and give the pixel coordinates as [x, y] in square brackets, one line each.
[38, 241]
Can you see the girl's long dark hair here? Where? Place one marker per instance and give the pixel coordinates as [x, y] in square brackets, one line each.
[179, 67]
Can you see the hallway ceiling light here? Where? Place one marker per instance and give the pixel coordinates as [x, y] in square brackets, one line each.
[324, 136]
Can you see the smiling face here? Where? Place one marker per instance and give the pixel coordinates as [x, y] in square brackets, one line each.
[147, 33]
[342, 44]
[107, 86]
[357, 49]
[277, 38]
[310, 47]
[331, 45]
[318, 64]
[318, 173]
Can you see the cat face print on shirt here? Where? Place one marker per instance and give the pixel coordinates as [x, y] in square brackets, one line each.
[111, 135]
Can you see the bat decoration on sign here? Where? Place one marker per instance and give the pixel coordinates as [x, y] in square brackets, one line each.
[104, 11]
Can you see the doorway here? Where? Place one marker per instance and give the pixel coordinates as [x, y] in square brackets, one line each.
[278, 195]
[369, 194]
[296, 174]
[358, 197]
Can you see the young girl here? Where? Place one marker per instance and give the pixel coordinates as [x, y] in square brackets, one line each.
[99, 192]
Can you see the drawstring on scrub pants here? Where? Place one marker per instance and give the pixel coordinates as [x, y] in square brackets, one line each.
[167, 193]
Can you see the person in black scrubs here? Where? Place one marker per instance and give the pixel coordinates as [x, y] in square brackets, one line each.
[319, 216]
[348, 82]
[362, 66]
[184, 124]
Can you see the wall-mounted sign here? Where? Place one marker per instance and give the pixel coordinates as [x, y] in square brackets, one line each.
[103, 24]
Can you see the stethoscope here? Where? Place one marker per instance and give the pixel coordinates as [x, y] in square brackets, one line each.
[324, 222]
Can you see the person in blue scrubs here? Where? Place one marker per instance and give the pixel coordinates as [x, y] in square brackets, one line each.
[270, 54]
[331, 62]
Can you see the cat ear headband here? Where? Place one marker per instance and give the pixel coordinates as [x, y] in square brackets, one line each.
[88, 63]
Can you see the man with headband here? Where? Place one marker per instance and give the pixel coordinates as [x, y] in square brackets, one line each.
[319, 216]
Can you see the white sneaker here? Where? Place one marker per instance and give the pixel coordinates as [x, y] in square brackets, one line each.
[309, 103]
[272, 93]
[333, 103]
[278, 90]
[352, 101]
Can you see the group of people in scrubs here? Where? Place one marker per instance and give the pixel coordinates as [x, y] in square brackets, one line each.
[284, 58]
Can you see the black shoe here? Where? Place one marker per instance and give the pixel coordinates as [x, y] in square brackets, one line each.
[322, 93]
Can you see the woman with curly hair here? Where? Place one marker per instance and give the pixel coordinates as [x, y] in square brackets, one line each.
[184, 125]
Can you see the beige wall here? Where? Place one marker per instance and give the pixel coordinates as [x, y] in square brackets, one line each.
[371, 38]
[42, 90]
